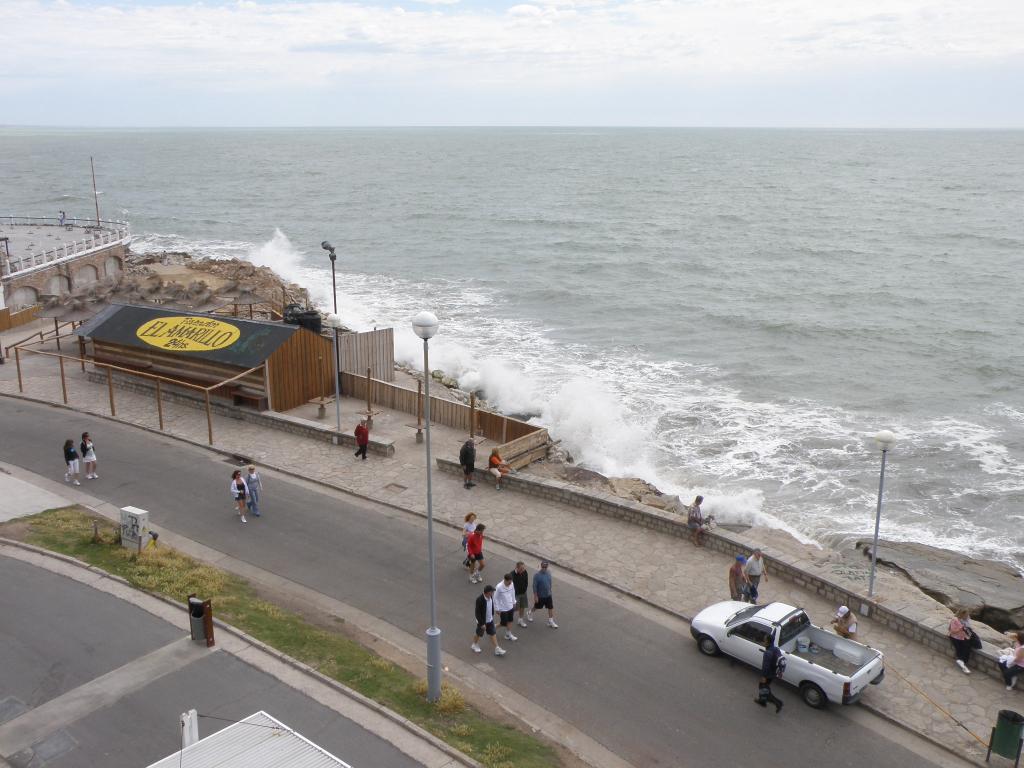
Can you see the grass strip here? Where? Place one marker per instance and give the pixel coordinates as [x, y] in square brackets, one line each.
[164, 571]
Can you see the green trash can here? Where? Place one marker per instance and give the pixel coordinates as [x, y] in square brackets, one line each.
[1008, 736]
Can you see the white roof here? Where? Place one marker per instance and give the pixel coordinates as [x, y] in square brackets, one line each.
[258, 741]
[775, 612]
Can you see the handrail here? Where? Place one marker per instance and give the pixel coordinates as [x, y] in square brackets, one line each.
[41, 334]
[113, 367]
[17, 220]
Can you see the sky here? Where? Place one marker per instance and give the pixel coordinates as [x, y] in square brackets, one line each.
[765, 63]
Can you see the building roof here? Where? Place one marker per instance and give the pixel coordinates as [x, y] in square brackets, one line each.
[258, 741]
[228, 340]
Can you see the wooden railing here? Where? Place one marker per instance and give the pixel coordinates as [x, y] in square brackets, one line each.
[158, 380]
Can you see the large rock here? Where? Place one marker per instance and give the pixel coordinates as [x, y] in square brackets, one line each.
[992, 592]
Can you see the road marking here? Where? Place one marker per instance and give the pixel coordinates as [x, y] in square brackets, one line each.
[35, 725]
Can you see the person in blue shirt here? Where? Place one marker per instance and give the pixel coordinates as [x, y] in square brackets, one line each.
[542, 594]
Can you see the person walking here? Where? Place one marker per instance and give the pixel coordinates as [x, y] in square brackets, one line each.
[88, 449]
[521, 580]
[239, 492]
[485, 622]
[542, 593]
[505, 605]
[498, 468]
[475, 553]
[695, 522]
[362, 439]
[467, 458]
[468, 526]
[254, 485]
[964, 640]
[773, 665]
[738, 579]
[755, 572]
[71, 461]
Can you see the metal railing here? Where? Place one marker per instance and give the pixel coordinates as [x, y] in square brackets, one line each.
[103, 234]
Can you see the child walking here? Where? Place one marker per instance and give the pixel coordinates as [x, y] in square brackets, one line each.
[239, 492]
[89, 457]
[71, 461]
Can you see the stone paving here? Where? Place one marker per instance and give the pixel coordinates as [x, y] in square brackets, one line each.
[666, 571]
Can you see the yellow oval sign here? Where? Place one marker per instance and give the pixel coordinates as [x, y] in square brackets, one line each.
[188, 334]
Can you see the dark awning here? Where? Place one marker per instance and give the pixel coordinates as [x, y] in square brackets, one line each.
[228, 340]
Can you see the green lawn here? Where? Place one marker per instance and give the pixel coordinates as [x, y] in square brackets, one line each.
[166, 572]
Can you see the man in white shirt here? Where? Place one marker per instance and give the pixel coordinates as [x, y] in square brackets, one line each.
[755, 570]
[505, 605]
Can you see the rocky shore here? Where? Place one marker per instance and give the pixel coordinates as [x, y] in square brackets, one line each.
[993, 592]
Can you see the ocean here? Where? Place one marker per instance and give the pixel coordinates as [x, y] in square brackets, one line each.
[727, 312]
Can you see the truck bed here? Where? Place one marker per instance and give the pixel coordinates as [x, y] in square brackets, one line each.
[835, 653]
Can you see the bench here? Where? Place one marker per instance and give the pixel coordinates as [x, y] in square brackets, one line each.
[247, 395]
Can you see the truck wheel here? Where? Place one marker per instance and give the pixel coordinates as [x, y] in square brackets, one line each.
[813, 696]
[707, 645]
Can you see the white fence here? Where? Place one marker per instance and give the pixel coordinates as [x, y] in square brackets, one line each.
[98, 235]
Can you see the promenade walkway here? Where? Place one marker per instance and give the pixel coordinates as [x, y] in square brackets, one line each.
[665, 571]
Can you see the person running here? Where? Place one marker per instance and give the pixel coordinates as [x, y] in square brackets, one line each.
[485, 622]
[239, 492]
[505, 605]
[773, 665]
[88, 449]
[498, 468]
[695, 522]
[521, 580]
[254, 484]
[475, 553]
[738, 579]
[71, 461]
[755, 571]
[467, 458]
[362, 439]
[542, 593]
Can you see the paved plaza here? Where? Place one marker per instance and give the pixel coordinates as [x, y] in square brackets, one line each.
[662, 570]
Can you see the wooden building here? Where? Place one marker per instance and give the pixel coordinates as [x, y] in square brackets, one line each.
[269, 364]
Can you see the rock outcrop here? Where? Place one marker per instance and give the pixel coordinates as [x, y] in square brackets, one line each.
[993, 592]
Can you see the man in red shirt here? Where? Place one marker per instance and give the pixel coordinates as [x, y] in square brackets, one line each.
[362, 439]
[475, 553]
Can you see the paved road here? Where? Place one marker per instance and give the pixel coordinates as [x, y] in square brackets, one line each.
[635, 685]
[58, 636]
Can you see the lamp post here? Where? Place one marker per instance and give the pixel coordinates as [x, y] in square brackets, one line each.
[335, 322]
[425, 326]
[885, 440]
[334, 295]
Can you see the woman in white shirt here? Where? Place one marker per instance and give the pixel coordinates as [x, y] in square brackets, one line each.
[239, 492]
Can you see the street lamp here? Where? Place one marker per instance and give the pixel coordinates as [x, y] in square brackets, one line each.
[885, 440]
[425, 326]
[334, 295]
[334, 321]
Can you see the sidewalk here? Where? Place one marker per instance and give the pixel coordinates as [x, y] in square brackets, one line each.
[665, 571]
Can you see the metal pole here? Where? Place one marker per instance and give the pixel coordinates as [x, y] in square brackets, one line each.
[433, 633]
[95, 195]
[63, 381]
[337, 389]
[337, 349]
[878, 520]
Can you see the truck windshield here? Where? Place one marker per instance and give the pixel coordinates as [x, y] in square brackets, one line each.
[742, 615]
[793, 626]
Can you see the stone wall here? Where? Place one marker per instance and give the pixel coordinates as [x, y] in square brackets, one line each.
[75, 273]
[268, 419]
[922, 629]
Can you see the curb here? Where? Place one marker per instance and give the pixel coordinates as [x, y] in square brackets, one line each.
[391, 505]
[377, 707]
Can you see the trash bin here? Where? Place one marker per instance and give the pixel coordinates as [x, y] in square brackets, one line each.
[1007, 736]
[196, 619]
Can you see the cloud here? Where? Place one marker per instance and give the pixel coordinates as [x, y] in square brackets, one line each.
[569, 44]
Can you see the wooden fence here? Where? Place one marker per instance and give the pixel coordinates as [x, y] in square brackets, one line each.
[494, 426]
[371, 349]
[9, 319]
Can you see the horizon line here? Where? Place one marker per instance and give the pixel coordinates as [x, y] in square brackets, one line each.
[597, 126]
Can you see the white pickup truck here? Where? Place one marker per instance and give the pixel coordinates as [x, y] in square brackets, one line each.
[823, 666]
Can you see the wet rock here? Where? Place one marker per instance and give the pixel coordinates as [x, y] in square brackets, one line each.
[992, 592]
